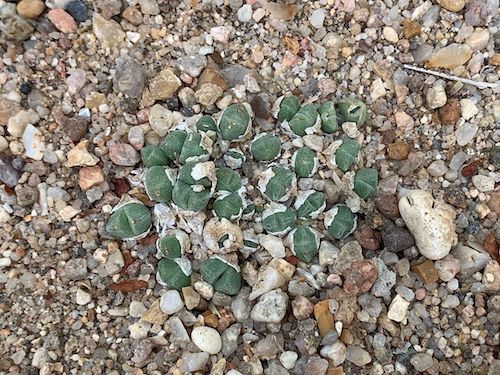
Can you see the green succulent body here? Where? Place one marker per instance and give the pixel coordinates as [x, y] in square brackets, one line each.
[278, 219]
[304, 162]
[347, 154]
[340, 221]
[352, 110]
[304, 242]
[207, 125]
[224, 277]
[328, 117]
[265, 147]
[288, 107]
[129, 221]
[365, 182]
[228, 205]
[173, 142]
[174, 273]
[228, 180]
[234, 122]
[305, 120]
[193, 188]
[276, 183]
[154, 156]
[173, 245]
[309, 204]
[158, 183]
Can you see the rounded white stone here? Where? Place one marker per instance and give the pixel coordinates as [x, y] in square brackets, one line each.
[171, 302]
[207, 339]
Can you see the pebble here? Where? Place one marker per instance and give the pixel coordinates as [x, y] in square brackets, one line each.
[82, 297]
[76, 269]
[431, 222]
[78, 10]
[192, 64]
[123, 154]
[136, 309]
[245, 13]
[468, 108]
[478, 40]
[273, 245]
[397, 239]
[30, 8]
[62, 21]
[466, 133]
[476, 13]
[452, 6]
[377, 89]
[271, 307]
[491, 276]
[358, 356]
[142, 349]
[450, 302]
[360, 277]
[208, 94]
[450, 112]
[8, 174]
[436, 97]
[336, 353]
[437, 168]
[89, 177]
[288, 359]
[17, 123]
[385, 281]
[317, 18]
[128, 79]
[192, 362]
[164, 85]
[302, 308]
[171, 302]
[390, 34]
[451, 56]
[109, 32]
[483, 183]
[207, 339]
[421, 361]
[398, 309]
[34, 145]
[447, 267]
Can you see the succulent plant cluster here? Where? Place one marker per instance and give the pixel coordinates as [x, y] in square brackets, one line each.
[199, 168]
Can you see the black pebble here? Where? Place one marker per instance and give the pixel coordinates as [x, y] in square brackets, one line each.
[77, 10]
[25, 88]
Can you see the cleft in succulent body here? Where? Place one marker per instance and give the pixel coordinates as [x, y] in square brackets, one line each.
[340, 221]
[222, 275]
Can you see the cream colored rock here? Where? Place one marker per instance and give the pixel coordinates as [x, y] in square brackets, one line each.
[431, 222]
[269, 278]
[207, 339]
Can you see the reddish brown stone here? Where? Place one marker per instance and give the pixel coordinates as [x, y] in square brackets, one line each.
[411, 28]
[398, 151]
[492, 246]
[426, 272]
[360, 277]
[450, 112]
[494, 202]
[388, 205]
[470, 169]
[121, 186]
[367, 237]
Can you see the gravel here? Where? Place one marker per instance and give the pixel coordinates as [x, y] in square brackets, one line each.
[85, 86]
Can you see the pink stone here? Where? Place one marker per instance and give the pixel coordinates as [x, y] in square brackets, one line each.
[62, 21]
[420, 294]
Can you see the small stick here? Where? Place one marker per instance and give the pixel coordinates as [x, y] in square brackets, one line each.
[478, 84]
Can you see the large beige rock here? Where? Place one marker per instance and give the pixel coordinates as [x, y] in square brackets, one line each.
[431, 222]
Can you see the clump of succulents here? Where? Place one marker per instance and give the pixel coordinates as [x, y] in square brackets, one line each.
[196, 182]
